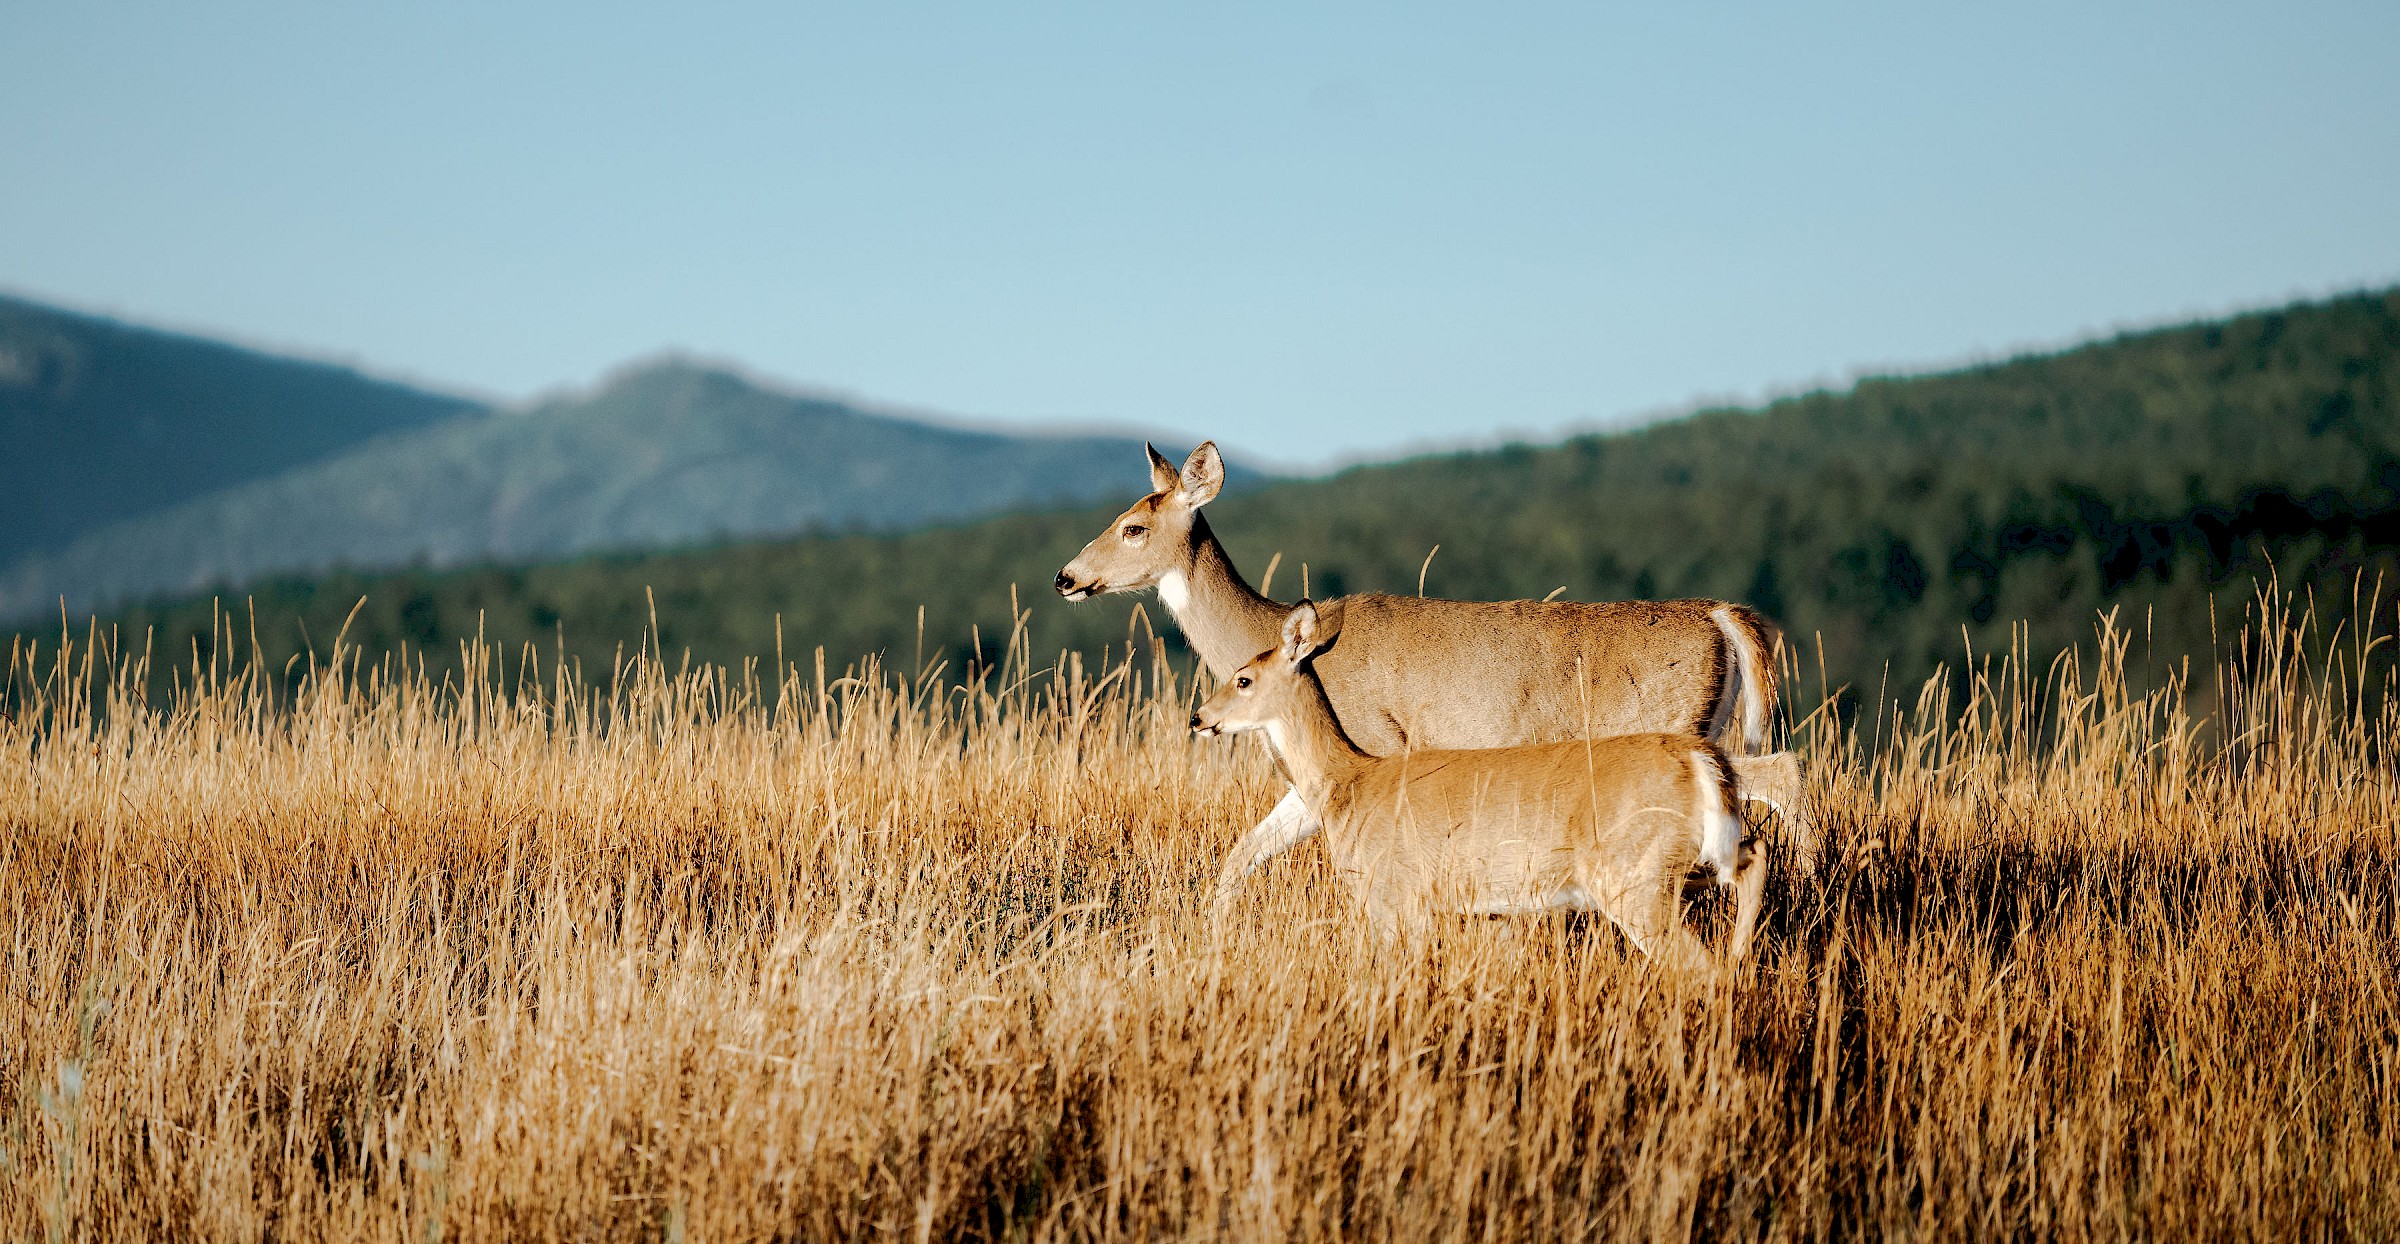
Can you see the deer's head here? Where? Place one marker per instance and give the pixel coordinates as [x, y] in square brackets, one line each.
[1267, 692]
[1154, 540]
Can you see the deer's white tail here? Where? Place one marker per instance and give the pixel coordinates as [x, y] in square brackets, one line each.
[1720, 829]
[1751, 687]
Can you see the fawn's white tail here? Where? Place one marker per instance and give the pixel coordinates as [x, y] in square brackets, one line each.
[1720, 830]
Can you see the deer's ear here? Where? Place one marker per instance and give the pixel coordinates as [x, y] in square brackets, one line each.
[1301, 638]
[1203, 475]
[1162, 472]
[1329, 623]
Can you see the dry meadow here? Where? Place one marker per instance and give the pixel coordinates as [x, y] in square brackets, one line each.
[715, 955]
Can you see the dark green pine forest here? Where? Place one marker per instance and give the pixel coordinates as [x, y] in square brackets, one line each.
[2160, 473]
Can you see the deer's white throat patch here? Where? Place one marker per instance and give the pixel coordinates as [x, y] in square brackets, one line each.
[1174, 591]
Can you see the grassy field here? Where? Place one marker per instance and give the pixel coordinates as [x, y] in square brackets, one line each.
[727, 956]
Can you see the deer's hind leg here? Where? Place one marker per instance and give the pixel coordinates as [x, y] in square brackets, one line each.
[1650, 916]
[1749, 894]
[1774, 782]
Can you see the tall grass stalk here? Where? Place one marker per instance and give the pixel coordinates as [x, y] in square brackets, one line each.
[724, 954]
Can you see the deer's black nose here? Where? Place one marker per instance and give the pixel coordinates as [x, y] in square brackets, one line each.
[1195, 721]
[1063, 583]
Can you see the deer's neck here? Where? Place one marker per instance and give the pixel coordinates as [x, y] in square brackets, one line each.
[1223, 620]
[1313, 745]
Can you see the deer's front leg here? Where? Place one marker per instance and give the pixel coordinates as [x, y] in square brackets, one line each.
[1287, 826]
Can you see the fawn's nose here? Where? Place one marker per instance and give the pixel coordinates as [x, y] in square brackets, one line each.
[1195, 721]
[1064, 583]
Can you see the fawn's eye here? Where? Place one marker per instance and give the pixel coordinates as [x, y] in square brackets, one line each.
[1135, 531]
[1242, 681]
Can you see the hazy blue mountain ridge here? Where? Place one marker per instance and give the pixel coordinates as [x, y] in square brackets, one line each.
[102, 421]
[1889, 525]
[666, 455]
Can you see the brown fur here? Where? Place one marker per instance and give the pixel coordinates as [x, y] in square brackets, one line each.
[1613, 824]
[1419, 673]
[1775, 780]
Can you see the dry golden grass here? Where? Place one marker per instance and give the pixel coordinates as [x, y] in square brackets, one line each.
[367, 959]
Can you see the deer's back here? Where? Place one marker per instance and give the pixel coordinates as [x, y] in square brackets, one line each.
[1413, 673]
[1517, 815]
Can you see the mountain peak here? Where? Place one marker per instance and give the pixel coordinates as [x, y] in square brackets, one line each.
[668, 450]
[664, 373]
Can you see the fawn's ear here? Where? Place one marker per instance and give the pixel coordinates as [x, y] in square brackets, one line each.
[1305, 633]
[1329, 623]
[1162, 472]
[1203, 475]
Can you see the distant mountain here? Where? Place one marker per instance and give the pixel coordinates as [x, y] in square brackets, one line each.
[672, 454]
[1887, 526]
[102, 421]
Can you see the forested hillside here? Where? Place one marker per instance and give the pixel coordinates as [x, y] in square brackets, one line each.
[1889, 522]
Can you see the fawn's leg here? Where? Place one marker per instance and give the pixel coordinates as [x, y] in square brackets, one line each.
[1286, 826]
[1749, 891]
[1649, 916]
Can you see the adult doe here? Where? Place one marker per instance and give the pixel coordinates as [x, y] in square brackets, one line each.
[1613, 825]
[1423, 673]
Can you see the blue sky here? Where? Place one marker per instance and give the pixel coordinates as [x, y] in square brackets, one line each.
[1315, 234]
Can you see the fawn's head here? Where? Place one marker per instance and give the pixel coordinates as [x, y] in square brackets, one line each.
[1268, 690]
[1155, 538]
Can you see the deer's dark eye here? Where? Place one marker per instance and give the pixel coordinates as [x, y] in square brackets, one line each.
[1242, 681]
[1135, 531]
